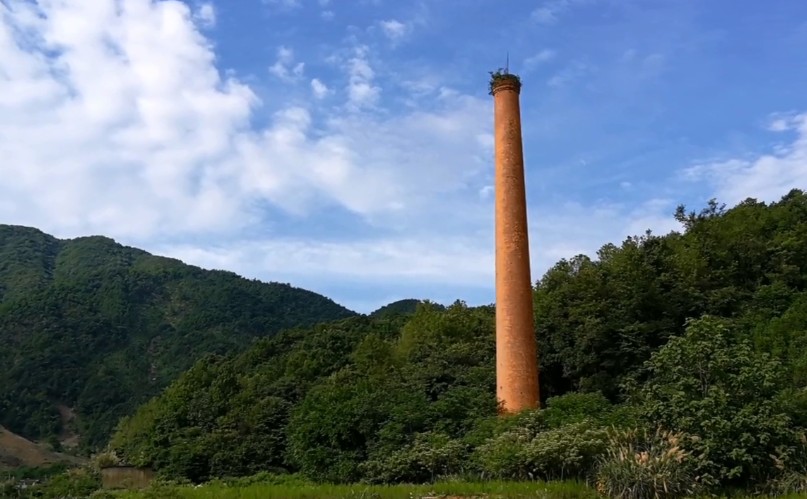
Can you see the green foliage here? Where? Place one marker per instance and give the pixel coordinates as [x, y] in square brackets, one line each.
[400, 307]
[555, 490]
[599, 320]
[76, 482]
[578, 407]
[560, 442]
[429, 457]
[794, 402]
[436, 378]
[789, 482]
[409, 395]
[568, 451]
[500, 76]
[338, 395]
[100, 328]
[718, 390]
[34, 473]
[229, 417]
[644, 465]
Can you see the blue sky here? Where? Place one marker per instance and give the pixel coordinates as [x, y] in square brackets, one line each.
[346, 147]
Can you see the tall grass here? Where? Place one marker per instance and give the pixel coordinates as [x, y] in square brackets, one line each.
[642, 465]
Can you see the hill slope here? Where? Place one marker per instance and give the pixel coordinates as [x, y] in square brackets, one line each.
[407, 306]
[100, 328]
[16, 451]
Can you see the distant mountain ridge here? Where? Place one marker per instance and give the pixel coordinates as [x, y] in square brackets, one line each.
[100, 328]
[401, 307]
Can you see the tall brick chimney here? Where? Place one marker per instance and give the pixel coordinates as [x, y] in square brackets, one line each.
[516, 356]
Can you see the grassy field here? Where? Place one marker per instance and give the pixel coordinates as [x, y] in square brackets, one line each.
[491, 490]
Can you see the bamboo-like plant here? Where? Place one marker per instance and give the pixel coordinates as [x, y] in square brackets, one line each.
[642, 465]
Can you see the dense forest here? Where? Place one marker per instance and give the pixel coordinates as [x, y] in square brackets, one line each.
[92, 328]
[400, 307]
[678, 359]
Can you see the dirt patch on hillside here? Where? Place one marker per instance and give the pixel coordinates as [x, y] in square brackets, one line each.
[68, 437]
[16, 451]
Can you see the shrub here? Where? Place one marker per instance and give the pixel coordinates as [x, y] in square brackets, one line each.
[77, 482]
[794, 403]
[639, 465]
[106, 459]
[430, 456]
[708, 385]
[790, 482]
[521, 454]
[792, 476]
[576, 407]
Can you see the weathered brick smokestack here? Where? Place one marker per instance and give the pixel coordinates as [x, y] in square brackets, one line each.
[516, 356]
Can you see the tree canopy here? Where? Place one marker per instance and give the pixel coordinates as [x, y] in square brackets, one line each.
[701, 331]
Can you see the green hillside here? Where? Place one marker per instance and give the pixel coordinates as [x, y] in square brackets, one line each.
[701, 335]
[94, 327]
[400, 307]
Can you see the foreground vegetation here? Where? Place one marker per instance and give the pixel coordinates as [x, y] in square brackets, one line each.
[674, 363]
[671, 366]
[314, 491]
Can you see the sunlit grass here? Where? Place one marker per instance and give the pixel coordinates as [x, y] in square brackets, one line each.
[491, 490]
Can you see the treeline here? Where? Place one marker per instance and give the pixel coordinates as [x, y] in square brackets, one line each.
[96, 328]
[675, 360]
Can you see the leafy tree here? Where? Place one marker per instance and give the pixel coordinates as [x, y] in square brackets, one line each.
[716, 390]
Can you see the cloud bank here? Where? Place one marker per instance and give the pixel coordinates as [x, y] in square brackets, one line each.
[117, 118]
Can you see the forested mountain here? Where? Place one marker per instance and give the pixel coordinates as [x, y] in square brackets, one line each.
[90, 327]
[400, 307]
[702, 332]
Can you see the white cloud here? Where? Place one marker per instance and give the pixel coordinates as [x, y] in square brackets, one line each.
[378, 260]
[361, 90]
[319, 89]
[449, 260]
[766, 177]
[206, 14]
[782, 122]
[778, 125]
[101, 136]
[285, 67]
[544, 15]
[539, 58]
[394, 30]
[572, 72]
[97, 137]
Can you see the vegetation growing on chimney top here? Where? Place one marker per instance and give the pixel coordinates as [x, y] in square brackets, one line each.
[502, 75]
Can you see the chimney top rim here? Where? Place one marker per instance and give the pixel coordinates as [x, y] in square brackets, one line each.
[502, 79]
